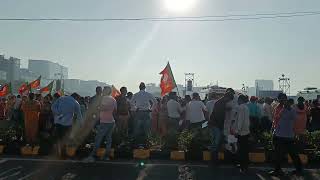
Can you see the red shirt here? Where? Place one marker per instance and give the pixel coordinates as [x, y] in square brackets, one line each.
[301, 120]
[277, 115]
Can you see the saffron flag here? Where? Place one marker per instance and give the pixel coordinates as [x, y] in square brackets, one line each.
[5, 90]
[167, 83]
[115, 92]
[48, 88]
[35, 84]
[24, 89]
[61, 92]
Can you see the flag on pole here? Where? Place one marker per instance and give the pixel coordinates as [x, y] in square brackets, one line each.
[60, 92]
[48, 88]
[115, 92]
[5, 90]
[167, 83]
[36, 83]
[24, 89]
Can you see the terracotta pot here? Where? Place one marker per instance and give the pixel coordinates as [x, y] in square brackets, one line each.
[304, 159]
[26, 150]
[207, 156]
[102, 151]
[2, 148]
[257, 157]
[35, 150]
[71, 151]
[141, 153]
[178, 155]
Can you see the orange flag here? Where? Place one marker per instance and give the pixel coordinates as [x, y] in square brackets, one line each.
[36, 83]
[167, 82]
[48, 88]
[24, 89]
[115, 92]
[5, 90]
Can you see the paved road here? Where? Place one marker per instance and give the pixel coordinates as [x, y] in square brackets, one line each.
[42, 169]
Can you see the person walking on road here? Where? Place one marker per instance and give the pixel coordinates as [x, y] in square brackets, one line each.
[243, 132]
[283, 138]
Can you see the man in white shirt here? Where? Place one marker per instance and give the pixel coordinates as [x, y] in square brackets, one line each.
[174, 111]
[243, 132]
[195, 112]
[210, 104]
[143, 101]
[267, 111]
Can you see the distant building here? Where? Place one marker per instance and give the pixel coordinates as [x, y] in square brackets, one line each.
[153, 89]
[72, 85]
[48, 69]
[3, 75]
[27, 75]
[266, 85]
[271, 93]
[309, 93]
[11, 66]
[84, 88]
[252, 91]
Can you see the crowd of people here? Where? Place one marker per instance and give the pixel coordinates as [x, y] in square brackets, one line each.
[229, 116]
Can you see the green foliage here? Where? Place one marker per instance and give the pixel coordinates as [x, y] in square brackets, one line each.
[315, 139]
[10, 134]
[185, 140]
[266, 140]
[154, 141]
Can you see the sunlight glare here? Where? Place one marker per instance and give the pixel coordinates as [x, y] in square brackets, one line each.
[178, 6]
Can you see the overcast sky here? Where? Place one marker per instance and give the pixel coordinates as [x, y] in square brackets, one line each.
[125, 53]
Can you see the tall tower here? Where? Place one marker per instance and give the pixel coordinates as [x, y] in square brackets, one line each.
[284, 84]
[189, 82]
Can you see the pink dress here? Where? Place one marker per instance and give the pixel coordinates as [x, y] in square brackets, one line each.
[108, 106]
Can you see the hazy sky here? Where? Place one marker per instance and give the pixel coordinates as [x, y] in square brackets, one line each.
[125, 53]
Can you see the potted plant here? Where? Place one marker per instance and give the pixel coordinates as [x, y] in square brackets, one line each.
[13, 142]
[184, 142]
[266, 142]
[26, 150]
[156, 144]
[311, 151]
[206, 153]
[2, 140]
[101, 152]
[71, 149]
[200, 142]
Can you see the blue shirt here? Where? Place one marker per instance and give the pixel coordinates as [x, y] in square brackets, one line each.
[64, 110]
[286, 124]
[254, 110]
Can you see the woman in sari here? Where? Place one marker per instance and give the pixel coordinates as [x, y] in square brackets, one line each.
[31, 110]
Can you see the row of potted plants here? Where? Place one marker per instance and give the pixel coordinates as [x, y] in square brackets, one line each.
[185, 145]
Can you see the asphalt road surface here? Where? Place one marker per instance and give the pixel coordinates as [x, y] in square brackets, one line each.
[45, 169]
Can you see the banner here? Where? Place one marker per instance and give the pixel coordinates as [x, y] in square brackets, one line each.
[167, 82]
[5, 90]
